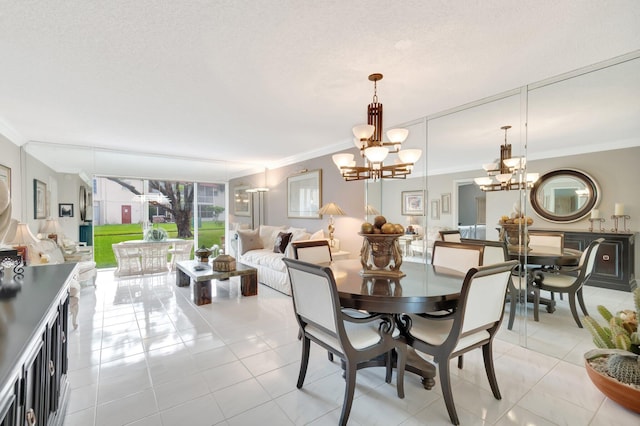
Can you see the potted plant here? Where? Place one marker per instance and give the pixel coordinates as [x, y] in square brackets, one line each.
[615, 367]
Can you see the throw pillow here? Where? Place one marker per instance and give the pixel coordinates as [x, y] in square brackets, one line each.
[318, 235]
[249, 240]
[282, 241]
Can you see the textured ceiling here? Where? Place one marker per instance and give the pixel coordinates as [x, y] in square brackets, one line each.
[261, 82]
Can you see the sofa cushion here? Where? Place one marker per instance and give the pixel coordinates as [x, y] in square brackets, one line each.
[249, 240]
[282, 240]
[268, 234]
[299, 234]
[318, 235]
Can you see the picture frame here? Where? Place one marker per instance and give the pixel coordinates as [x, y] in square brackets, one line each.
[304, 195]
[39, 199]
[435, 209]
[412, 203]
[5, 176]
[446, 203]
[242, 201]
[65, 210]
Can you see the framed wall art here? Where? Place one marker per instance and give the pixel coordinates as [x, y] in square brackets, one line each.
[65, 210]
[241, 201]
[435, 209]
[39, 199]
[446, 203]
[413, 203]
[304, 195]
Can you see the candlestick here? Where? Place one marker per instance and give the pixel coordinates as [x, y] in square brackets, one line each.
[619, 209]
[595, 214]
[624, 217]
[600, 220]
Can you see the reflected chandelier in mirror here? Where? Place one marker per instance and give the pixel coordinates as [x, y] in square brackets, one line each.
[564, 195]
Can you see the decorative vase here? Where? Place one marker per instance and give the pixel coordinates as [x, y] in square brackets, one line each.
[511, 233]
[381, 255]
[622, 393]
[203, 254]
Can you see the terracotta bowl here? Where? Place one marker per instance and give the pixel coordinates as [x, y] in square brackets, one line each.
[625, 395]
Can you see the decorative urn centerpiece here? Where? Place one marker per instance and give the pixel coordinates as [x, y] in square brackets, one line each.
[380, 254]
[224, 263]
[512, 230]
[155, 234]
[614, 368]
[202, 254]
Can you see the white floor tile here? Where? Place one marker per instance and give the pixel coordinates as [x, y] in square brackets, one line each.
[145, 355]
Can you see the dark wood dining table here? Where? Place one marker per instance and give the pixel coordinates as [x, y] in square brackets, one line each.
[423, 288]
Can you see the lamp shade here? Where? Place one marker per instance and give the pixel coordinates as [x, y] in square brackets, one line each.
[485, 180]
[376, 154]
[341, 160]
[372, 210]
[332, 209]
[23, 236]
[51, 226]
[410, 155]
[363, 131]
[397, 135]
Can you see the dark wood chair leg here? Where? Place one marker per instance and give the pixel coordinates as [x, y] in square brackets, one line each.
[350, 387]
[487, 354]
[574, 310]
[581, 301]
[445, 383]
[401, 360]
[536, 303]
[460, 362]
[304, 362]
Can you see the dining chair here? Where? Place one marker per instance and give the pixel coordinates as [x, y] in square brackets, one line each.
[456, 255]
[451, 235]
[180, 251]
[473, 325]
[546, 240]
[497, 252]
[568, 280]
[354, 340]
[312, 251]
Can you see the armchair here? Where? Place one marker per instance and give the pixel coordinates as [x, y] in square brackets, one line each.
[354, 340]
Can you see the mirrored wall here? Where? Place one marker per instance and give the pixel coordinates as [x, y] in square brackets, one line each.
[585, 120]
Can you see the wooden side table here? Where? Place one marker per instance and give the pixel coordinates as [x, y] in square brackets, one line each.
[202, 279]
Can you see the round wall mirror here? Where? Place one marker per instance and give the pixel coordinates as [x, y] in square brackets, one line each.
[565, 195]
[82, 203]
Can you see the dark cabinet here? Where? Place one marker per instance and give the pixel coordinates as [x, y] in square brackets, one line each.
[615, 261]
[33, 374]
[86, 234]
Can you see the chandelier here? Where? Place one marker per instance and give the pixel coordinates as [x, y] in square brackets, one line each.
[508, 173]
[368, 139]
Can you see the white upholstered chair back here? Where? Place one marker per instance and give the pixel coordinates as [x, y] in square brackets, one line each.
[313, 299]
[547, 241]
[494, 254]
[317, 251]
[485, 300]
[458, 256]
[453, 236]
[589, 257]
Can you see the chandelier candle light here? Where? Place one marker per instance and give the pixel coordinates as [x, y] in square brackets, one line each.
[368, 139]
[331, 209]
[509, 173]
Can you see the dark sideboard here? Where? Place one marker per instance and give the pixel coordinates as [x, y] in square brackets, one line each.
[616, 259]
[33, 348]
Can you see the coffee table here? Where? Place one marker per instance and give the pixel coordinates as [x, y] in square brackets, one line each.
[185, 272]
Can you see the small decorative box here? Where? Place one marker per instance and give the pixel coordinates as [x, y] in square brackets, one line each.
[224, 263]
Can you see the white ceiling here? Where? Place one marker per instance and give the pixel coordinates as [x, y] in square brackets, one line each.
[266, 82]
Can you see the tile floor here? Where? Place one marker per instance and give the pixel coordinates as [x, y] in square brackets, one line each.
[145, 355]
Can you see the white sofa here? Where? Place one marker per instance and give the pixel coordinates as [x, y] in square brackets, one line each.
[46, 252]
[255, 248]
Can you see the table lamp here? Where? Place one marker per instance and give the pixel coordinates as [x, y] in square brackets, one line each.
[21, 240]
[331, 209]
[51, 229]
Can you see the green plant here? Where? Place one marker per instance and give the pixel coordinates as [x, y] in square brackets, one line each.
[622, 330]
[617, 342]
